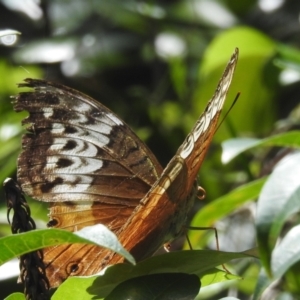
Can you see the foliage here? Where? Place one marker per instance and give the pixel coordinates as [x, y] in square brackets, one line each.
[156, 65]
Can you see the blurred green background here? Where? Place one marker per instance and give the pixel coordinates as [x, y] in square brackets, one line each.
[156, 64]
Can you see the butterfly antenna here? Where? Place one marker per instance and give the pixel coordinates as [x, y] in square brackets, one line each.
[230, 108]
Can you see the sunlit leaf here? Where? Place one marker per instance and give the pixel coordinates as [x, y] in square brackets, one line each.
[198, 262]
[285, 255]
[278, 200]
[16, 245]
[254, 48]
[16, 296]
[233, 147]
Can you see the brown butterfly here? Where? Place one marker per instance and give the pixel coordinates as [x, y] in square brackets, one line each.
[91, 168]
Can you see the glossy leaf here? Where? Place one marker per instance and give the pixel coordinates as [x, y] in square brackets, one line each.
[284, 256]
[198, 262]
[16, 245]
[158, 286]
[278, 200]
[233, 147]
[287, 253]
[16, 296]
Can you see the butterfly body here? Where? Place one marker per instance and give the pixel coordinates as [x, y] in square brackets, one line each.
[91, 168]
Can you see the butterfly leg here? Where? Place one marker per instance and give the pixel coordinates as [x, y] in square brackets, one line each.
[216, 237]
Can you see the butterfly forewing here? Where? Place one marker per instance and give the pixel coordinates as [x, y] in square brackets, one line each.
[196, 144]
[77, 150]
[92, 168]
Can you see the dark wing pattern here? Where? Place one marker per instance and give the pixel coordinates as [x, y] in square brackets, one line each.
[92, 168]
[81, 157]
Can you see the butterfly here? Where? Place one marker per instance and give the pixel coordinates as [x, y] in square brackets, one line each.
[92, 168]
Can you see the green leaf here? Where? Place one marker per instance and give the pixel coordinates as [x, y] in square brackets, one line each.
[216, 275]
[222, 206]
[289, 53]
[16, 245]
[255, 49]
[158, 286]
[8, 86]
[178, 71]
[16, 296]
[233, 147]
[285, 255]
[278, 200]
[198, 262]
